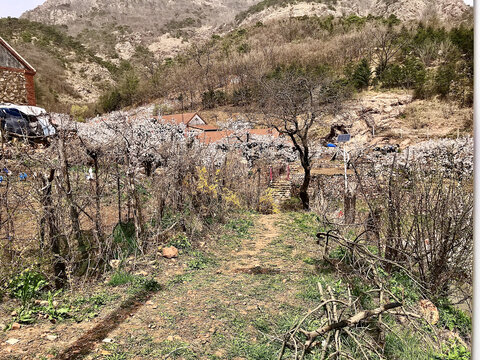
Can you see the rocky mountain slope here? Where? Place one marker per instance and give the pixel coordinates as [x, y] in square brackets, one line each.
[85, 48]
[403, 9]
[153, 17]
[166, 27]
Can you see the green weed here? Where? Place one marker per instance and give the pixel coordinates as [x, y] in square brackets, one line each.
[405, 345]
[199, 261]
[453, 318]
[180, 241]
[453, 351]
[121, 278]
[26, 285]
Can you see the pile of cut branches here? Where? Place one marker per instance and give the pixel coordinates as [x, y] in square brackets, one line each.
[347, 329]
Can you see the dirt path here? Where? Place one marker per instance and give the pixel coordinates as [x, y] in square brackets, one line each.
[251, 254]
[207, 313]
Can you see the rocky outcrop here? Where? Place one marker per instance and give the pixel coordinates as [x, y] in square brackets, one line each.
[13, 87]
[403, 9]
[155, 16]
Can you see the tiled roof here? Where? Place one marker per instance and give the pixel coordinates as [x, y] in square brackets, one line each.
[178, 118]
[210, 137]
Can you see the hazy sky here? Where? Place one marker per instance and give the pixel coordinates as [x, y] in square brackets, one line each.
[15, 8]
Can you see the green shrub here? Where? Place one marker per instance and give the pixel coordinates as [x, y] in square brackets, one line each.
[198, 262]
[26, 285]
[213, 98]
[242, 96]
[121, 278]
[180, 241]
[292, 204]
[243, 48]
[110, 101]
[361, 75]
[443, 78]
[409, 74]
[453, 318]
[78, 112]
[453, 351]
[151, 285]
[392, 76]
[125, 237]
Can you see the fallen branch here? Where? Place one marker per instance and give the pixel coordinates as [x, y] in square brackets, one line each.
[354, 320]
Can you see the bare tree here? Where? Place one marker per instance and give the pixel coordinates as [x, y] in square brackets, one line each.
[388, 43]
[294, 104]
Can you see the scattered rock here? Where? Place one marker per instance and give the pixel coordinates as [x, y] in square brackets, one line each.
[429, 311]
[51, 337]
[170, 252]
[115, 264]
[12, 341]
[16, 326]
[13, 313]
[107, 340]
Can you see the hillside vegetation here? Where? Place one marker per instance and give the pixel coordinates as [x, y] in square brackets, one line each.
[58, 59]
[428, 58]
[125, 236]
[431, 58]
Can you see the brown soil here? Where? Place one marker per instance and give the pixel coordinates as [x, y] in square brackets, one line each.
[195, 310]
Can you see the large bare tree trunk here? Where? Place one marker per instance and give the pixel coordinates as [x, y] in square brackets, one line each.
[74, 216]
[59, 266]
[304, 188]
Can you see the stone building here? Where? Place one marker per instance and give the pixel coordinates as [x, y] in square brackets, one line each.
[16, 77]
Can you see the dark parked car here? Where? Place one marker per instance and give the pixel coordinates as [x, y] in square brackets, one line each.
[32, 122]
[13, 122]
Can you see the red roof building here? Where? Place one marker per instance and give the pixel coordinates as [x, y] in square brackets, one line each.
[189, 119]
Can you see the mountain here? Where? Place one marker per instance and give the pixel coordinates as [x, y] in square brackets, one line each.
[153, 17]
[166, 27]
[157, 17]
[402, 9]
[85, 48]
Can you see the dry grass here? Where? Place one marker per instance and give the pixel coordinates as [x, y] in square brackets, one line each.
[435, 118]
